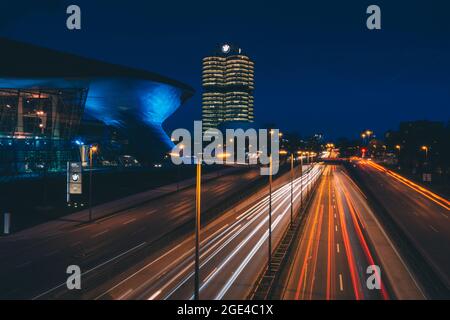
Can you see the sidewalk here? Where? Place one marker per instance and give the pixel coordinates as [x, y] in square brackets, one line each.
[105, 210]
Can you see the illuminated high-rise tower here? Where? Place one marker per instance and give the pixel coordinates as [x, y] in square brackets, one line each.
[228, 84]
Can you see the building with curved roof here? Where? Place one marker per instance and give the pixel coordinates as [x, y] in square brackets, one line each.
[45, 95]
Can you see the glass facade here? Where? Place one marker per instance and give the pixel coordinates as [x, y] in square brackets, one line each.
[36, 128]
[228, 85]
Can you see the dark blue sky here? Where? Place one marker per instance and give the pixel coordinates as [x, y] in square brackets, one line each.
[317, 67]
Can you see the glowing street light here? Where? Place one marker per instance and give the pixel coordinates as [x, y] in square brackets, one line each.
[425, 148]
[292, 188]
[198, 191]
[92, 150]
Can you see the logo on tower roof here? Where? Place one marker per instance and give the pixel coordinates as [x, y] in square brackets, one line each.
[226, 48]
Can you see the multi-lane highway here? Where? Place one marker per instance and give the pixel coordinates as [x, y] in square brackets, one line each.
[340, 240]
[421, 216]
[34, 261]
[147, 252]
[233, 252]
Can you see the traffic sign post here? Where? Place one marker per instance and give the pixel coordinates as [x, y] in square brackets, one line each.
[74, 179]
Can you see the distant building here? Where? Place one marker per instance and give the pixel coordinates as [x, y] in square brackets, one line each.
[228, 85]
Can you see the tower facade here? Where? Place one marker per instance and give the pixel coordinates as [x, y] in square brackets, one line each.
[228, 85]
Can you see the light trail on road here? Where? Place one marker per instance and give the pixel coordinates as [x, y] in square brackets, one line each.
[332, 256]
[231, 254]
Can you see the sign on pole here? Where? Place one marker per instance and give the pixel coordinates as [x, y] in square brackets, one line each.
[74, 178]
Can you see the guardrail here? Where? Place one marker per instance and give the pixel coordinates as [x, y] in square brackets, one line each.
[265, 286]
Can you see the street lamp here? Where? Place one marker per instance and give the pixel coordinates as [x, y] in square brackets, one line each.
[292, 181]
[309, 173]
[173, 154]
[425, 148]
[301, 178]
[92, 150]
[292, 188]
[270, 214]
[198, 191]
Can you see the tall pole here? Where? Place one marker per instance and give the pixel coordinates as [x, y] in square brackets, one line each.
[309, 173]
[307, 176]
[270, 213]
[292, 187]
[301, 181]
[197, 230]
[178, 177]
[90, 184]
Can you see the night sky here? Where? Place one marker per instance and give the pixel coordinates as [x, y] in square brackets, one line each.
[317, 67]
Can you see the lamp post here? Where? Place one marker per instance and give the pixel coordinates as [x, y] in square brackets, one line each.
[399, 148]
[179, 170]
[92, 149]
[284, 152]
[425, 148]
[309, 174]
[197, 228]
[292, 188]
[301, 179]
[270, 214]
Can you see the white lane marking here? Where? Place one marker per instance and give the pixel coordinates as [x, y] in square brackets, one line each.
[251, 254]
[155, 295]
[341, 284]
[99, 234]
[92, 269]
[337, 247]
[129, 221]
[282, 192]
[233, 235]
[210, 275]
[144, 267]
[150, 212]
[335, 228]
[125, 294]
[168, 252]
[433, 228]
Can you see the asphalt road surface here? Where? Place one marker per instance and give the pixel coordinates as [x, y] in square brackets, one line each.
[34, 261]
[422, 215]
[233, 251]
[332, 254]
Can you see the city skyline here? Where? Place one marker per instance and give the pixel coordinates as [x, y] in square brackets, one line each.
[309, 56]
[328, 177]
